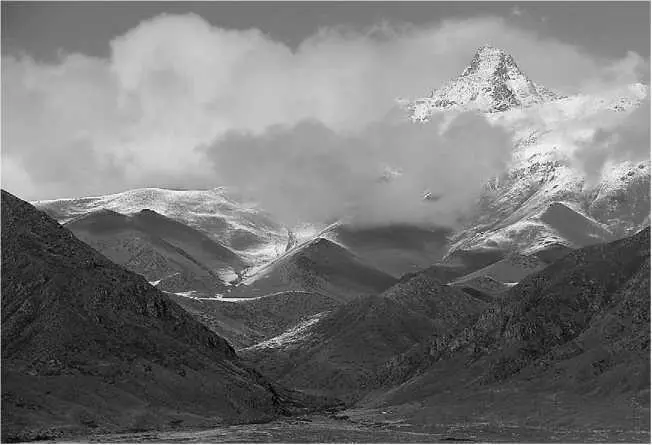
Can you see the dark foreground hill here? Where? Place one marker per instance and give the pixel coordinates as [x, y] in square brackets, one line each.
[88, 345]
[555, 306]
[568, 347]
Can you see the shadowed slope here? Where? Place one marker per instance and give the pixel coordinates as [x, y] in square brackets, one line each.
[555, 305]
[573, 226]
[87, 344]
[177, 257]
[496, 278]
[318, 266]
[197, 244]
[394, 249]
[218, 213]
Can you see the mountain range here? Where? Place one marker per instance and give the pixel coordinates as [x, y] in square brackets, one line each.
[219, 213]
[568, 347]
[544, 199]
[191, 307]
[542, 202]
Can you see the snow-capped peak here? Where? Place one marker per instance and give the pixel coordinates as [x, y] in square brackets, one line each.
[492, 82]
[487, 60]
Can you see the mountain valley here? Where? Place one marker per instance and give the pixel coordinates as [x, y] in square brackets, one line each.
[87, 345]
[187, 315]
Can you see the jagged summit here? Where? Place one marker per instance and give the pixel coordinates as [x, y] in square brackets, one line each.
[487, 60]
[492, 82]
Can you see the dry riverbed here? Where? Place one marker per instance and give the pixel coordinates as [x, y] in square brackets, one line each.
[362, 426]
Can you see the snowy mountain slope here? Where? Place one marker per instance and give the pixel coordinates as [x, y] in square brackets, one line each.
[550, 133]
[491, 83]
[219, 213]
[624, 190]
[544, 172]
[551, 205]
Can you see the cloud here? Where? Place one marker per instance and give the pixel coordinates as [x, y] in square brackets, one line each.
[621, 138]
[630, 69]
[516, 11]
[176, 84]
[309, 172]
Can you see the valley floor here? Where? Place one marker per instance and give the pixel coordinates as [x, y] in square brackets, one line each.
[375, 426]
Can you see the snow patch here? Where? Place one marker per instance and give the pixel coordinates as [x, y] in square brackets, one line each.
[187, 294]
[227, 275]
[220, 297]
[292, 335]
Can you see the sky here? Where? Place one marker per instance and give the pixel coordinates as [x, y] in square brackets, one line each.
[284, 99]
[41, 29]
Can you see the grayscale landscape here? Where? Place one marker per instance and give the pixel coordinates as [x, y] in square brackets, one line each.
[325, 222]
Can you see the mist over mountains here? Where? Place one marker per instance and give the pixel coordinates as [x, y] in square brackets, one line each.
[491, 156]
[143, 117]
[311, 173]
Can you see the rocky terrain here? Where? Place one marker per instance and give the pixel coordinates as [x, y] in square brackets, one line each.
[339, 351]
[88, 345]
[573, 339]
[491, 83]
[562, 356]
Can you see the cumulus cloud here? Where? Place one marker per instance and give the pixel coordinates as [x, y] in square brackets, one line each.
[632, 68]
[175, 85]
